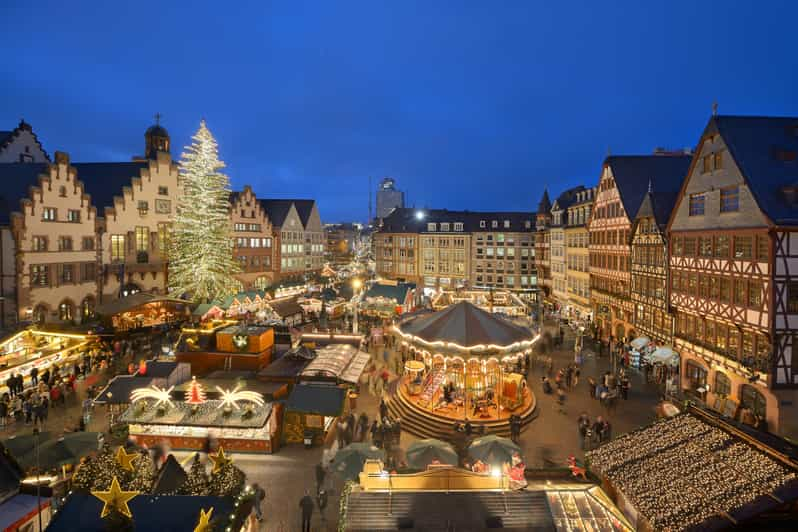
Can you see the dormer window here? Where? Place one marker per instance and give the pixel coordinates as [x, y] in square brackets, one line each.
[482, 223]
[458, 226]
[431, 226]
[507, 224]
[494, 224]
[528, 224]
[444, 226]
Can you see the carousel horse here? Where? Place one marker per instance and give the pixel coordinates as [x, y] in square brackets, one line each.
[576, 469]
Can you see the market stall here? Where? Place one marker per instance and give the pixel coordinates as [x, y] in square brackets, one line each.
[240, 420]
[29, 349]
[142, 310]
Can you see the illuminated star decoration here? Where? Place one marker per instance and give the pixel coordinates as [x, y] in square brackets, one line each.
[219, 460]
[125, 460]
[161, 395]
[204, 520]
[115, 498]
[232, 397]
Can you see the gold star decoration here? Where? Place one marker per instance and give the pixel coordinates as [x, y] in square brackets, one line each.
[219, 460]
[204, 520]
[125, 460]
[115, 498]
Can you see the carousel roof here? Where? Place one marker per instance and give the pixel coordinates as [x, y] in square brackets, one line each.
[466, 325]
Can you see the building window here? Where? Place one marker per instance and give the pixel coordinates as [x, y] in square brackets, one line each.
[792, 297]
[73, 216]
[62, 192]
[754, 294]
[163, 238]
[762, 248]
[88, 271]
[67, 274]
[717, 160]
[40, 275]
[117, 248]
[458, 226]
[64, 243]
[697, 204]
[87, 307]
[722, 247]
[722, 384]
[507, 224]
[66, 311]
[730, 199]
[87, 243]
[706, 164]
[431, 226]
[742, 247]
[753, 400]
[444, 226]
[39, 243]
[163, 191]
[142, 238]
[50, 214]
[494, 224]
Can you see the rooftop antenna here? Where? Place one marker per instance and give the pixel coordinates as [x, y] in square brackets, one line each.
[715, 108]
[157, 119]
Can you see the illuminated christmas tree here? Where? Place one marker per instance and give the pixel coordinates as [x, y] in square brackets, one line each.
[201, 262]
[143, 473]
[197, 481]
[196, 393]
[98, 472]
[228, 481]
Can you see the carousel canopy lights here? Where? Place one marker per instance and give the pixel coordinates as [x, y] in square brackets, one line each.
[232, 397]
[161, 395]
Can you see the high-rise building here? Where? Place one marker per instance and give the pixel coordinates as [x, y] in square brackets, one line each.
[388, 198]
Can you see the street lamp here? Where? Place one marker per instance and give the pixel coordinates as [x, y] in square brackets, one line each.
[356, 285]
[38, 472]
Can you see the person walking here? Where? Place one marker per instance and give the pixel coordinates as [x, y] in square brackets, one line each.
[260, 494]
[320, 474]
[306, 505]
[34, 376]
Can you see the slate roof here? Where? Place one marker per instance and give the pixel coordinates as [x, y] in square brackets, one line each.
[165, 513]
[545, 203]
[632, 174]
[466, 325]
[304, 207]
[102, 181]
[404, 220]
[276, 209]
[6, 137]
[755, 143]
[659, 205]
[17, 179]
[325, 400]
[567, 198]
[289, 365]
[286, 308]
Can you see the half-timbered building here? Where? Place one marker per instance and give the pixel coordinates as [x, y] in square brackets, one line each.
[734, 246]
[650, 286]
[622, 185]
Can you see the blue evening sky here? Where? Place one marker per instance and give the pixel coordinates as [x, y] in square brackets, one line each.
[474, 105]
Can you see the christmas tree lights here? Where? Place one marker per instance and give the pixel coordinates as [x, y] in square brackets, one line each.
[201, 262]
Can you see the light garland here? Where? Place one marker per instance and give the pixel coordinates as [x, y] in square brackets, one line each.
[521, 344]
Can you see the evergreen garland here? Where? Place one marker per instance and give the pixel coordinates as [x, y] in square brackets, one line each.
[197, 482]
[201, 261]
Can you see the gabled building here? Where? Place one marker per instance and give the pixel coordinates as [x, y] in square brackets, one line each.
[298, 227]
[733, 251]
[577, 259]
[650, 279]
[21, 145]
[622, 185]
[253, 240]
[557, 262]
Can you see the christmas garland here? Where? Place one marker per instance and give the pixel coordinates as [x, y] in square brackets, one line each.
[344, 504]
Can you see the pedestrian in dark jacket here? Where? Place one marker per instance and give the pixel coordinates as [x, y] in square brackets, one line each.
[306, 505]
[34, 376]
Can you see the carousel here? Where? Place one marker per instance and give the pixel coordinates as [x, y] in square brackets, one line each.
[465, 364]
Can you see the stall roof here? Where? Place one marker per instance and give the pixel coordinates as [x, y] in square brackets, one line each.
[209, 414]
[17, 507]
[118, 389]
[289, 365]
[325, 400]
[340, 361]
[160, 369]
[138, 299]
[693, 472]
[170, 477]
[466, 325]
[286, 308]
[396, 292]
[165, 513]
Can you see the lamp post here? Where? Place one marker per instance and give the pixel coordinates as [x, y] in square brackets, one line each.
[38, 472]
[356, 284]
